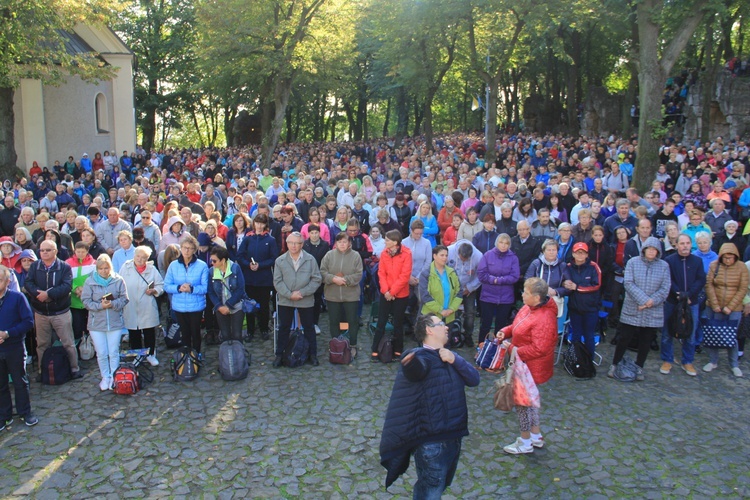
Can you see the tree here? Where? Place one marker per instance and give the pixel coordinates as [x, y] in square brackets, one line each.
[32, 46]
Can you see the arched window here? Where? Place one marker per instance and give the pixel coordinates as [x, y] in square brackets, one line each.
[102, 115]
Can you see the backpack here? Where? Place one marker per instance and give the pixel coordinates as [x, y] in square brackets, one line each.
[680, 323]
[578, 361]
[626, 370]
[296, 350]
[56, 366]
[233, 360]
[86, 349]
[173, 336]
[385, 349]
[185, 364]
[126, 380]
[456, 337]
[339, 350]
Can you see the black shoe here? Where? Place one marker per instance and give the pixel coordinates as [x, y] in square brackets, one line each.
[469, 343]
[5, 423]
[77, 375]
[654, 345]
[277, 362]
[264, 336]
[314, 360]
[30, 420]
[698, 349]
[38, 379]
[374, 358]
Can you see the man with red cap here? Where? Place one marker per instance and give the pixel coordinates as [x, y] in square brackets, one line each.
[583, 278]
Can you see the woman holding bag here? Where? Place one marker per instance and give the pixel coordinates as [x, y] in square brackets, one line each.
[534, 335]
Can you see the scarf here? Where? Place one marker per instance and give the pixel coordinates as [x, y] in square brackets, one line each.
[141, 269]
[101, 280]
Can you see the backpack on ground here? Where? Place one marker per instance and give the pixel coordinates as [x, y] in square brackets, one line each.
[626, 370]
[56, 366]
[86, 349]
[385, 348]
[126, 380]
[579, 362]
[296, 350]
[173, 336]
[233, 360]
[185, 364]
[339, 350]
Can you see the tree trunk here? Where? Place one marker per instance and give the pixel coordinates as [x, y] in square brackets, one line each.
[148, 126]
[289, 123]
[8, 156]
[282, 90]
[402, 115]
[230, 113]
[627, 122]
[707, 84]
[427, 120]
[491, 126]
[387, 120]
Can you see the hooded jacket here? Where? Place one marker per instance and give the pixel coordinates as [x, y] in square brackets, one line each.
[498, 272]
[588, 277]
[688, 277]
[261, 248]
[726, 286]
[142, 311]
[645, 280]
[100, 319]
[13, 261]
[534, 333]
[432, 293]
[466, 271]
[551, 272]
[394, 272]
[170, 238]
[196, 275]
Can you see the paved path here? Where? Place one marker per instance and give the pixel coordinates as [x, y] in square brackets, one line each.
[314, 432]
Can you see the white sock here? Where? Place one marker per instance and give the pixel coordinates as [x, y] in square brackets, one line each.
[526, 442]
[536, 437]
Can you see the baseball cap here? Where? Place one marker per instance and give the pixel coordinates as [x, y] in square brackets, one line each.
[581, 246]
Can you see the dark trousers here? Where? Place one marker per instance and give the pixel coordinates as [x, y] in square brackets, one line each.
[584, 326]
[500, 313]
[145, 338]
[318, 305]
[209, 316]
[230, 325]
[286, 316]
[614, 314]
[625, 334]
[343, 312]
[470, 310]
[31, 342]
[414, 307]
[190, 328]
[13, 363]
[80, 322]
[261, 295]
[436, 465]
[395, 307]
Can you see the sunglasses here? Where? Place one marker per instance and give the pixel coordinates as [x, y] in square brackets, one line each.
[439, 323]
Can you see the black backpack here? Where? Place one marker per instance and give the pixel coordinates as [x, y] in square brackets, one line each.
[296, 350]
[578, 361]
[456, 337]
[680, 323]
[56, 366]
[185, 364]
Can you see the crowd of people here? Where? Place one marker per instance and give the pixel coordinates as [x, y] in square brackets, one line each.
[123, 244]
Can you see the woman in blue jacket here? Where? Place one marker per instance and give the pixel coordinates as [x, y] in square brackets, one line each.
[240, 228]
[256, 256]
[226, 292]
[424, 213]
[583, 280]
[186, 282]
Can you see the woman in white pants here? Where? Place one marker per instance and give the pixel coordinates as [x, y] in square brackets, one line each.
[104, 295]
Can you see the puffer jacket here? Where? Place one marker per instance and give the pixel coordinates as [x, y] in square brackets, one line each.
[227, 290]
[196, 275]
[534, 333]
[432, 294]
[262, 248]
[141, 311]
[306, 279]
[588, 277]
[394, 272]
[726, 286]
[105, 320]
[427, 405]
[346, 264]
[498, 272]
[646, 280]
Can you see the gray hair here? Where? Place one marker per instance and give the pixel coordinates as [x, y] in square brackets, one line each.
[146, 250]
[27, 210]
[620, 202]
[4, 273]
[536, 286]
[565, 225]
[731, 223]
[506, 206]
[503, 237]
[549, 243]
[703, 235]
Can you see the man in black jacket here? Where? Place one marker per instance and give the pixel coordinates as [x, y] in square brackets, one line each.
[318, 248]
[9, 217]
[48, 285]
[427, 414]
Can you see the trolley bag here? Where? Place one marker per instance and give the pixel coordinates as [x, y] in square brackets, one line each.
[233, 360]
[56, 366]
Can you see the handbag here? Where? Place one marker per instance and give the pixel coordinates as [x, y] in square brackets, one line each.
[498, 360]
[503, 399]
[719, 332]
[486, 352]
[86, 348]
[525, 391]
[743, 332]
[560, 301]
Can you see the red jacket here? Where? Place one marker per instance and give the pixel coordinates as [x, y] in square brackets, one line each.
[394, 272]
[534, 333]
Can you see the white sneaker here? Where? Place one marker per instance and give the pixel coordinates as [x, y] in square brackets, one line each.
[105, 384]
[736, 371]
[317, 330]
[29, 361]
[152, 360]
[125, 338]
[537, 443]
[518, 448]
[710, 367]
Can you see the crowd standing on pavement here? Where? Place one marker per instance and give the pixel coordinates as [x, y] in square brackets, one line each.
[144, 239]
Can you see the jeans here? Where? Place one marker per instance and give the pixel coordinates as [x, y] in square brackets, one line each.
[713, 352]
[286, 316]
[470, 309]
[13, 363]
[230, 325]
[688, 345]
[107, 345]
[584, 326]
[497, 312]
[436, 465]
[397, 307]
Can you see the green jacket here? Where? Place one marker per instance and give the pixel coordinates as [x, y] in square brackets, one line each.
[431, 292]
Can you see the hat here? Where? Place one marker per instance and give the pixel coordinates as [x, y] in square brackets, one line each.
[621, 156]
[7, 240]
[204, 240]
[85, 154]
[27, 254]
[581, 246]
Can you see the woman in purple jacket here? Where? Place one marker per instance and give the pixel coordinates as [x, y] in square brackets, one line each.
[498, 271]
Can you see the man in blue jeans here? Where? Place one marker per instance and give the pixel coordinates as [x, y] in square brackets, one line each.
[688, 279]
[427, 414]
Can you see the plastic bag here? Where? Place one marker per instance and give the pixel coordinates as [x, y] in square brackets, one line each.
[525, 391]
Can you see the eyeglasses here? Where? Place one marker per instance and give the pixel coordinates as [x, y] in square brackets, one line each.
[192, 249]
[439, 323]
[46, 249]
[146, 218]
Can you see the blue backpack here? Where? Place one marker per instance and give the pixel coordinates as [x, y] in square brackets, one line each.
[296, 350]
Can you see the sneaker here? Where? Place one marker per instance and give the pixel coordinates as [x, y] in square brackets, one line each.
[537, 443]
[374, 358]
[736, 371]
[710, 367]
[639, 376]
[30, 420]
[5, 423]
[690, 369]
[29, 360]
[611, 372]
[518, 448]
[353, 350]
[104, 384]
[666, 367]
[317, 330]
[152, 360]
[126, 338]
[77, 375]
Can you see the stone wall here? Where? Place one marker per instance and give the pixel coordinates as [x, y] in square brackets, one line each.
[602, 113]
[730, 109]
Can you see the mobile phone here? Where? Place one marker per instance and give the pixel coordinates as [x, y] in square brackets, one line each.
[252, 261]
[150, 285]
[108, 296]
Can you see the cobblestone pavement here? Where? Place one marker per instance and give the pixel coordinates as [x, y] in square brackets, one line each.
[314, 432]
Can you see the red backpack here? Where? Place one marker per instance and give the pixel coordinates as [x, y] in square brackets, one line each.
[126, 380]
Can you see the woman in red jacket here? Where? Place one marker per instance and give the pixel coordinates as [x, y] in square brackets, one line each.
[394, 272]
[534, 333]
